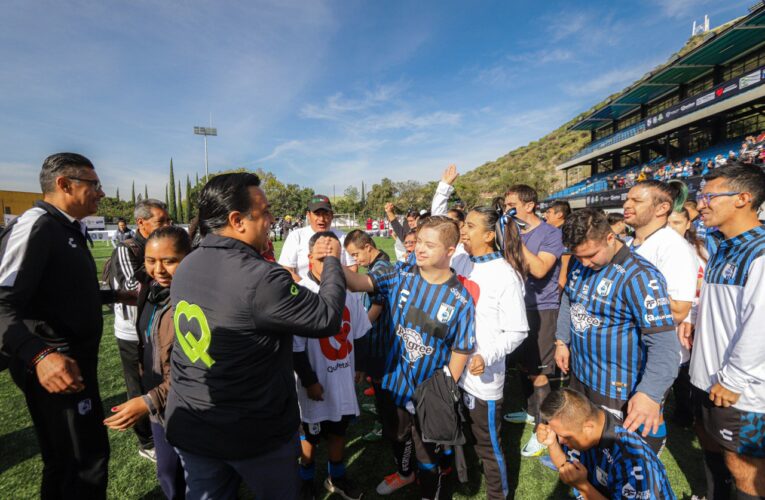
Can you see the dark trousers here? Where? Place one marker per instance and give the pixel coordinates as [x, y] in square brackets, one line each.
[71, 434]
[169, 467]
[130, 369]
[484, 419]
[271, 475]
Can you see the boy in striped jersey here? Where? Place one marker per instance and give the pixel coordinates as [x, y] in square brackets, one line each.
[431, 328]
[621, 342]
[596, 454]
[728, 356]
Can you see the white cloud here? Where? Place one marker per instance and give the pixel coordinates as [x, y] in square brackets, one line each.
[610, 81]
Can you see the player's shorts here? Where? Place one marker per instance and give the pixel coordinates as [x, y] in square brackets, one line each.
[399, 425]
[742, 432]
[618, 408]
[312, 432]
[537, 353]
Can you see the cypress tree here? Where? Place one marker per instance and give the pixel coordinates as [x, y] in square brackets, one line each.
[171, 205]
[189, 215]
[179, 211]
[118, 194]
[145, 192]
[196, 183]
[132, 193]
[166, 203]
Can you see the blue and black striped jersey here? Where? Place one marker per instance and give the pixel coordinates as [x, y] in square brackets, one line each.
[427, 322]
[610, 309]
[377, 345]
[622, 465]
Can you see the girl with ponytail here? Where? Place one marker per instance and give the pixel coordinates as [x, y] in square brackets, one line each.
[493, 270]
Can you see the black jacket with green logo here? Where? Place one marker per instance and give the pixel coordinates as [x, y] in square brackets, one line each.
[232, 392]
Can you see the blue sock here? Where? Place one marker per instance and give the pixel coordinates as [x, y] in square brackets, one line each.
[336, 469]
[307, 472]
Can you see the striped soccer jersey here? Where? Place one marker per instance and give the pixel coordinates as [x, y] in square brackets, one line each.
[610, 309]
[622, 465]
[377, 346]
[427, 322]
[728, 347]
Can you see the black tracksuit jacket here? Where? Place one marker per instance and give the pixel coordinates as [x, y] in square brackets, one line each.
[236, 398]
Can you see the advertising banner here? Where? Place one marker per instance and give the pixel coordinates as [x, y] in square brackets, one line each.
[616, 197]
[707, 98]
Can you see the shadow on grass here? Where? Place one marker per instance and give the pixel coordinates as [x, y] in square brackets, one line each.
[18, 446]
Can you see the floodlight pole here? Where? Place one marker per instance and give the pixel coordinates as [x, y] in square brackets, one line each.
[204, 132]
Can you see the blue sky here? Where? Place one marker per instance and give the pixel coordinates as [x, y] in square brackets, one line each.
[322, 93]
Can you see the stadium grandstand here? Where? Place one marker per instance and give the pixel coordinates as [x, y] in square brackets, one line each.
[690, 115]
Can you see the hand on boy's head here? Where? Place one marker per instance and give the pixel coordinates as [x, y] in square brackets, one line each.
[326, 247]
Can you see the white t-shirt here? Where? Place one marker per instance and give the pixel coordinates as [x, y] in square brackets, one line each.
[676, 260]
[332, 361]
[295, 250]
[500, 320]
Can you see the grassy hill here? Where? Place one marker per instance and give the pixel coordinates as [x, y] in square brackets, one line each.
[534, 164]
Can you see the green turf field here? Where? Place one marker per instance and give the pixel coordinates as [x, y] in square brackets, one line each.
[133, 477]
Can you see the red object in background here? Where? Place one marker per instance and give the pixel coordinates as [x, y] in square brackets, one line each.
[269, 253]
[369, 224]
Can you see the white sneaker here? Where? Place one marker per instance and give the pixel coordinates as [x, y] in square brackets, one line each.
[519, 417]
[533, 447]
[149, 454]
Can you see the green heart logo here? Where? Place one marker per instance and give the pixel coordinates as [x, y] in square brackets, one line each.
[194, 348]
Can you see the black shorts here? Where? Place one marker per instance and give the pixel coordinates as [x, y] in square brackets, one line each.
[313, 432]
[400, 426]
[537, 353]
[742, 432]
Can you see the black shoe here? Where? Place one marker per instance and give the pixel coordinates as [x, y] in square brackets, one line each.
[343, 487]
[307, 490]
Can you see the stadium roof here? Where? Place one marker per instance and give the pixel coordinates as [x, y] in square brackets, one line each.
[720, 48]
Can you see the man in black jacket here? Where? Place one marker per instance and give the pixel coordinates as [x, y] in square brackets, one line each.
[232, 409]
[51, 323]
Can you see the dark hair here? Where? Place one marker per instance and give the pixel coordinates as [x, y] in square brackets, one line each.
[61, 164]
[143, 208]
[614, 217]
[745, 178]
[181, 239]
[121, 220]
[561, 207]
[320, 234]
[524, 192]
[222, 195]
[691, 236]
[674, 192]
[412, 213]
[359, 238]
[507, 236]
[458, 214]
[567, 403]
[585, 225]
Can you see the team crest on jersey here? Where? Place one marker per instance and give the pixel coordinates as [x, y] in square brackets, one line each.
[585, 289]
[413, 345]
[604, 287]
[469, 400]
[84, 406]
[729, 270]
[581, 319]
[445, 313]
[601, 476]
[628, 491]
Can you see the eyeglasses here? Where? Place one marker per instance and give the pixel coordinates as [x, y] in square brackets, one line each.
[96, 184]
[708, 197]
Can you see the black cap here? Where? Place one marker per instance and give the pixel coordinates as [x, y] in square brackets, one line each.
[319, 202]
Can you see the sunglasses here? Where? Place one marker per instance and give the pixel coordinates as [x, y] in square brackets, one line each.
[708, 197]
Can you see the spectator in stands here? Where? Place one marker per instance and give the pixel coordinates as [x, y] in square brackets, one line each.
[127, 273]
[708, 167]
[123, 232]
[556, 213]
[720, 161]
[697, 166]
[542, 249]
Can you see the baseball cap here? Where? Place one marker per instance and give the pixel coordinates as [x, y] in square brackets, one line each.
[319, 202]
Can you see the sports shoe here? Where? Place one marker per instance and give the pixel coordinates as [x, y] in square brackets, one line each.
[148, 454]
[374, 435]
[369, 408]
[307, 490]
[533, 447]
[369, 391]
[519, 417]
[343, 487]
[394, 482]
